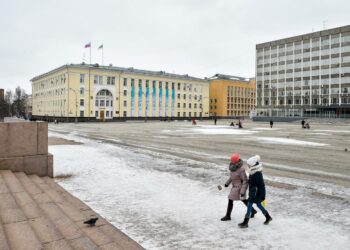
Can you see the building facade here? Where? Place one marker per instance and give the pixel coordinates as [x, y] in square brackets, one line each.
[231, 96]
[90, 92]
[306, 75]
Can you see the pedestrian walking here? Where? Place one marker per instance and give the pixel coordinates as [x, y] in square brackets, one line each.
[257, 190]
[215, 121]
[271, 123]
[238, 180]
[240, 124]
[302, 123]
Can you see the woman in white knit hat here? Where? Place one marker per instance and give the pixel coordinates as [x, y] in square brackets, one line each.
[257, 190]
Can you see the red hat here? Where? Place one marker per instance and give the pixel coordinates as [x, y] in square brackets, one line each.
[235, 158]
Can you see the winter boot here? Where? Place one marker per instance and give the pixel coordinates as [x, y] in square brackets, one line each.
[268, 218]
[225, 218]
[228, 212]
[244, 224]
[253, 213]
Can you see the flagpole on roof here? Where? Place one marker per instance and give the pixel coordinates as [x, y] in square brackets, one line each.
[101, 48]
[90, 53]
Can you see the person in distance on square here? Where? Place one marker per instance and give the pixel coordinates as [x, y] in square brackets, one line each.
[239, 181]
[257, 192]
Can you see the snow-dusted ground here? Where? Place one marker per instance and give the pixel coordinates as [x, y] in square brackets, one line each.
[165, 202]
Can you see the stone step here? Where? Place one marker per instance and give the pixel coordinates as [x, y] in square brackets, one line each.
[20, 236]
[11, 181]
[28, 184]
[66, 216]
[3, 242]
[107, 236]
[37, 213]
[46, 230]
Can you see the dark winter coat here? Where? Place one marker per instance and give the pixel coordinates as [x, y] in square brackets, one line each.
[257, 190]
[238, 179]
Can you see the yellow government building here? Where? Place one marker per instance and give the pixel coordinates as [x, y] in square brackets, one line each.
[231, 96]
[94, 92]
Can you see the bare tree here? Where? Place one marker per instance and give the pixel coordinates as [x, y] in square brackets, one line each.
[19, 102]
[8, 103]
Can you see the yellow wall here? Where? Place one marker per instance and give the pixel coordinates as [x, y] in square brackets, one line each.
[55, 93]
[239, 95]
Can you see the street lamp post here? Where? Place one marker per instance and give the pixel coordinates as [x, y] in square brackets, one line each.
[76, 105]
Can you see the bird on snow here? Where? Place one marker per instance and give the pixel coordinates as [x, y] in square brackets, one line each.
[91, 221]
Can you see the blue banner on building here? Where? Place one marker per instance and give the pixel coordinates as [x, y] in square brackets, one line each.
[140, 102]
[132, 100]
[160, 102]
[147, 101]
[166, 102]
[173, 102]
[154, 98]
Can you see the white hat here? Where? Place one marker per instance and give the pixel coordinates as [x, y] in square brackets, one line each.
[252, 161]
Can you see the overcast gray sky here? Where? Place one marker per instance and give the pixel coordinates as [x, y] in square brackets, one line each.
[196, 37]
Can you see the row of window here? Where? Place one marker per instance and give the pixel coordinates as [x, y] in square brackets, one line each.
[315, 42]
[315, 101]
[49, 83]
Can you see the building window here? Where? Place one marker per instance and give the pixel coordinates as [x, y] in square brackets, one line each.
[107, 113]
[184, 105]
[81, 113]
[140, 83]
[184, 96]
[107, 103]
[82, 77]
[172, 85]
[215, 100]
[125, 82]
[124, 114]
[190, 105]
[178, 96]
[179, 86]
[125, 104]
[184, 114]
[96, 103]
[125, 92]
[160, 85]
[102, 103]
[96, 114]
[147, 83]
[178, 114]
[178, 105]
[81, 91]
[195, 114]
[81, 102]
[132, 83]
[195, 105]
[189, 114]
[110, 80]
[111, 103]
[154, 84]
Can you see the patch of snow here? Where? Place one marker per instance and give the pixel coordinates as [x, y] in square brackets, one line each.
[265, 128]
[286, 141]
[223, 131]
[320, 134]
[332, 131]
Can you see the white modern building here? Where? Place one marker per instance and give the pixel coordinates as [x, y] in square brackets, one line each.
[306, 75]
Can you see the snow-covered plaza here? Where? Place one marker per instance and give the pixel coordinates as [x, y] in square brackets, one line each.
[157, 181]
